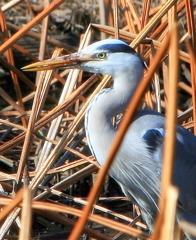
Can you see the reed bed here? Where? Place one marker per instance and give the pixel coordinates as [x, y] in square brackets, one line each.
[51, 186]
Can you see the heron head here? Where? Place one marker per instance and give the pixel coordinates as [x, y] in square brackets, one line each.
[110, 56]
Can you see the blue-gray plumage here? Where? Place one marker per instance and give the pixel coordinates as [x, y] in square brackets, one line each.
[138, 164]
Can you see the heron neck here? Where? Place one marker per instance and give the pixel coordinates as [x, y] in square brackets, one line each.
[104, 106]
[121, 95]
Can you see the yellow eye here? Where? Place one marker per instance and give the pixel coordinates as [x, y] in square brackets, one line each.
[101, 55]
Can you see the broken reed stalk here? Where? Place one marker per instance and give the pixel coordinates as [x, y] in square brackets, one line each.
[36, 109]
[117, 141]
[52, 207]
[55, 124]
[56, 151]
[68, 88]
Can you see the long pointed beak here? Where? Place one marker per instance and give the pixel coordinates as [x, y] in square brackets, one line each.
[67, 61]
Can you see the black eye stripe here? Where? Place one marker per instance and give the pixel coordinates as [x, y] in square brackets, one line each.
[113, 48]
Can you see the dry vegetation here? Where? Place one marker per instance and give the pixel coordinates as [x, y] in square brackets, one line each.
[47, 171]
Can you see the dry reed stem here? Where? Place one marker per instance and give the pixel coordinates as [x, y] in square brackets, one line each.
[119, 234]
[51, 115]
[145, 13]
[188, 227]
[32, 94]
[156, 82]
[81, 113]
[13, 125]
[37, 36]
[8, 99]
[10, 59]
[18, 73]
[65, 183]
[154, 20]
[26, 216]
[38, 102]
[92, 217]
[193, 77]
[96, 207]
[116, 19]
[167, 229]
[43, 41]
[94, 234]
[162, 29]
[164, 23]
[128, 17]
[102, 14]
[171, 113]
[170, 137]
[61, 169]
[190, 22]
[109, 12]
[68, 88]
[30, 24]
[116, 142]
[10, 4]
[70, 223]
[135, 14]
[56, 151]
[130, 36]
[13, 203]
[185, 87]
[191, 48]
[43, 86]
[8, 222]
[144, 19]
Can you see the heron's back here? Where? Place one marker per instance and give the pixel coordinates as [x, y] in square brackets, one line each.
[138, 164]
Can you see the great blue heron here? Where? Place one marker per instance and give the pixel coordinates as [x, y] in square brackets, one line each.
[137, 166]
